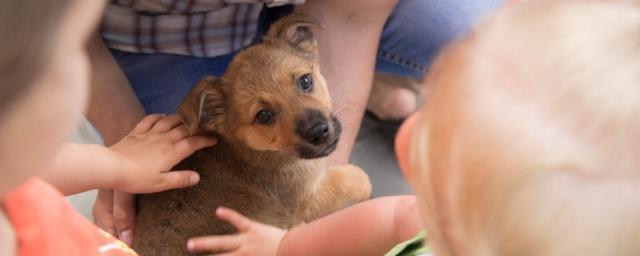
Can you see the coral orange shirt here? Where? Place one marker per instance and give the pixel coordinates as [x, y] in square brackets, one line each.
[45, 224]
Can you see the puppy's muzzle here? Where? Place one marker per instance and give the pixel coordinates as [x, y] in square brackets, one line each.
[319, 135]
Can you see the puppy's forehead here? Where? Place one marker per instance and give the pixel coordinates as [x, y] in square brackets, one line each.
[279, 59]
[269, 67]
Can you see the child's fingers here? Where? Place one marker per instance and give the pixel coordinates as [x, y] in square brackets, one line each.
[214, 243]
[178, 133]
[177, 179]
[166, 124]
[147, 122]
[187, 146]
[236, 219]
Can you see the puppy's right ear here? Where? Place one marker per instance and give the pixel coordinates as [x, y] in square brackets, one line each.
[203, 108]
[295, 30]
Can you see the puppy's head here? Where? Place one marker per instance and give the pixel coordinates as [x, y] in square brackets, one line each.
[272, 98]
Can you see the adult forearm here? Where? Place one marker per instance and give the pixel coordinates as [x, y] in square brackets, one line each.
[114, 108]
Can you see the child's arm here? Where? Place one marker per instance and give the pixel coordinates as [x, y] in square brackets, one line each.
[139, 163]
[368, 228]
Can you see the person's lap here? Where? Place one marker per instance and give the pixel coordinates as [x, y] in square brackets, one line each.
[412, 36]
[161, 80]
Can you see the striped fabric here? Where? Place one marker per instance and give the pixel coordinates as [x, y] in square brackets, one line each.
[202, 28]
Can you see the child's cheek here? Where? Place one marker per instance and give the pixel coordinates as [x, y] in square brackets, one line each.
[403, 143]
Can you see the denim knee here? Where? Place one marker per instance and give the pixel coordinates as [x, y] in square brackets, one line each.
[417, 30]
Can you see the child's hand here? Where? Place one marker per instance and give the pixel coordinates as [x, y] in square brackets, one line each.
[253, 238]
[146, 155]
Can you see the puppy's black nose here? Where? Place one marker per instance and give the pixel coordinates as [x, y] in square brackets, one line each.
[317, 133]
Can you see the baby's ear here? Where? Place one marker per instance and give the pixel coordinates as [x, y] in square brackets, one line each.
[203, 108]
[295, 30]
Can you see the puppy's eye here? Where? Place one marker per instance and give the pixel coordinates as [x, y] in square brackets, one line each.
[305, 83]
[265, 117]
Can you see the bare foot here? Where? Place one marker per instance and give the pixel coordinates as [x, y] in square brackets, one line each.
[393, 98]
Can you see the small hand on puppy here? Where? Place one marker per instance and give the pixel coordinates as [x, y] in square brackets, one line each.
[253, 238]
[140, 162]
[146, 155]
[144, 159]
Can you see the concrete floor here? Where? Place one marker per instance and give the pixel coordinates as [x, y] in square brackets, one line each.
[375, 154]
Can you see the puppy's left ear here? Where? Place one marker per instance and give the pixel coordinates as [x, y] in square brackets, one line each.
[202, 110]
[295, 30]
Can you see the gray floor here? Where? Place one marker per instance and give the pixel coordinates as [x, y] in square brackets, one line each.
[374, 153]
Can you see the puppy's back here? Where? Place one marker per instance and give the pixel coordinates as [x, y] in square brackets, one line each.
[268, 194]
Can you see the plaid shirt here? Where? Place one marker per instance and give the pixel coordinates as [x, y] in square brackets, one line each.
[202, 28]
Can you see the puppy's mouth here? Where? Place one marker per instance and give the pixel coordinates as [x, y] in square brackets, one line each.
[311, 152]
[329, 148]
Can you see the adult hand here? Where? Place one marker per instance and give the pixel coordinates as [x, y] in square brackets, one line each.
[115, 213]
[253, 238]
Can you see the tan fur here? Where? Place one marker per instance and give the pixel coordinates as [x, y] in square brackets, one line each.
[254, 168]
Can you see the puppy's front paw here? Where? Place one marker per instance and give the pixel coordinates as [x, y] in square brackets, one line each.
[354, 181]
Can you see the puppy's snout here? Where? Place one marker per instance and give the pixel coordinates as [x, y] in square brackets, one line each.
[317, 133]
[314, 128]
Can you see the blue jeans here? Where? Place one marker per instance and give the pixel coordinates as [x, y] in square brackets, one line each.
[412, 37]
[417, 30]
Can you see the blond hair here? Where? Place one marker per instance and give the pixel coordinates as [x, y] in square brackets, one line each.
[529, 142]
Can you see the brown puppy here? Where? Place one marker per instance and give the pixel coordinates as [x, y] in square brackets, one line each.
[271, 113]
